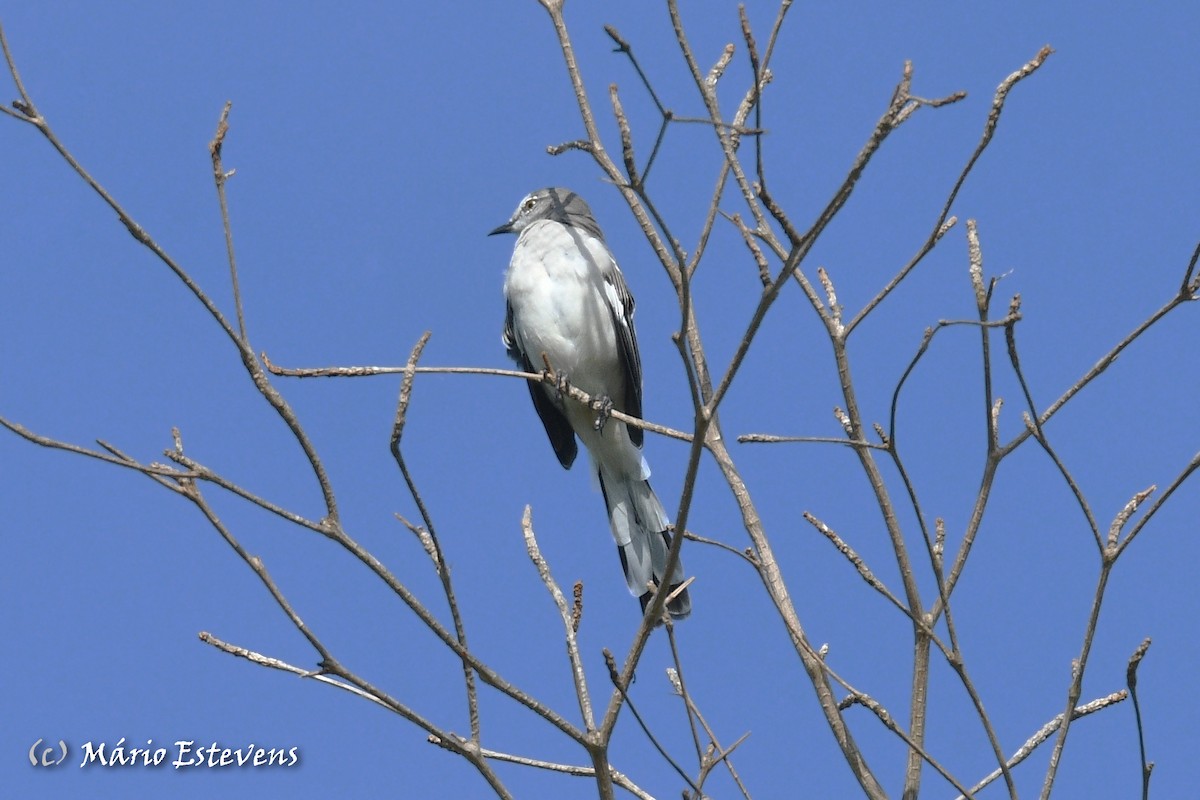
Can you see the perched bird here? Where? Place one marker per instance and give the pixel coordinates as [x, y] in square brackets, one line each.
[568, 305]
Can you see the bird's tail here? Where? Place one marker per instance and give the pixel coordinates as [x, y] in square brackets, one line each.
[639, 526]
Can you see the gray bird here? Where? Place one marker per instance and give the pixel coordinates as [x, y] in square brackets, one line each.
[568, 301]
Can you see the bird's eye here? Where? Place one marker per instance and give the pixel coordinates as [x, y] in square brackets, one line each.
[529, 203]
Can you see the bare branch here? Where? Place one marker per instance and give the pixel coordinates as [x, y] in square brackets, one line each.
[1135, 661]
[153, 470]
[1188, 287]
[201, 472]
[283, 666]
[549, 378]
[713, 755]
[1039, 434]
[431, 537]
[220, 177]
[620, 779]
[1184, 474]
[882, 714]
[989, 130]
[626, 136]
[570, 621]
[747, 555]
[1078, 668]
[856, 561]
[251, 364]
[1122, 517]
[1044, 733]
[620, 685]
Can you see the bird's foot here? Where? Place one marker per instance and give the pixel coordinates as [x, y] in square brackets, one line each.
[603, 407]
[562, 386]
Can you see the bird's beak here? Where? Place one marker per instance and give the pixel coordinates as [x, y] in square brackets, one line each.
[505, 228]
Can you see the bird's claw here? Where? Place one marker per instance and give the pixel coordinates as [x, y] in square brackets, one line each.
[562, 386]
[603, 407]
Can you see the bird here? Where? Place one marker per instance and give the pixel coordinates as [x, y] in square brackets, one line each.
[568, 307]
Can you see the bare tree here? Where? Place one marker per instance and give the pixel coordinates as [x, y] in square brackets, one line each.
[777, 247]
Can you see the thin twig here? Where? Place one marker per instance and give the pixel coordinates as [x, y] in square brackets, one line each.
[283, 666]
[1184, 474]
[1100, 366]
[707, 762]
[675, 676]
[1131, 682]
[443, 568]
[619, 685]
[771, 438]
[989, 130]
[1044, 733]
[252, 366]
[914, 746]
[152, 470]
[1078, 668]
[1188, 287]
[220, 178]
[549, 378]
[856, 561]
[1039, 434]
[619, 778]
[193, 493]
[569, 620]
[746, 555]
[465, 748]
[202, 473]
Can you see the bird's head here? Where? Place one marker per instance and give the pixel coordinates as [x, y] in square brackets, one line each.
[554, 203]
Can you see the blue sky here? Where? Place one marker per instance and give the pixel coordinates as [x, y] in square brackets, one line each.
[375, 145]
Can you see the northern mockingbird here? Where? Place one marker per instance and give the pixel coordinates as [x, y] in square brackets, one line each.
[568, 305]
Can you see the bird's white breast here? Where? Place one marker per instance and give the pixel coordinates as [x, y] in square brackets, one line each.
[559, 301]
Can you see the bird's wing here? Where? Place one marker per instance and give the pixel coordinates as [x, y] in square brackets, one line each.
[558, 429]
[620, 307]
